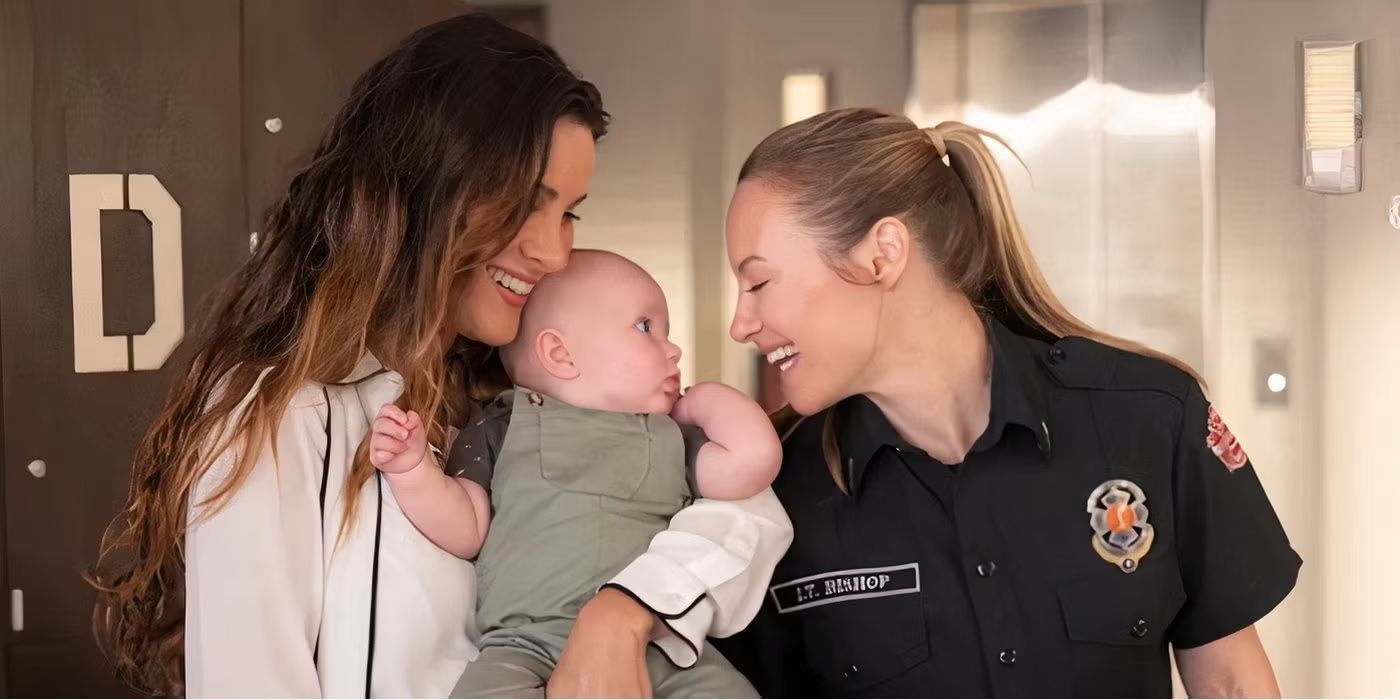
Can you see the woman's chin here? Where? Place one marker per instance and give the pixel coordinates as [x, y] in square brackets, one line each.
[806, 403]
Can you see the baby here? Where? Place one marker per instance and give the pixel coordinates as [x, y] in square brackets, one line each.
[575, 470]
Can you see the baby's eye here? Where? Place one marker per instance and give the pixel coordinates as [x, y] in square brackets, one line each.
[643, 325]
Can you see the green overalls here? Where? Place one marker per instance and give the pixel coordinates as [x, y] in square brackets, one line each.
[576, 495]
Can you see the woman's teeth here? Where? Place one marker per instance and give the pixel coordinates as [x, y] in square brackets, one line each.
[781, 354]
[505, 279]
[783, 357]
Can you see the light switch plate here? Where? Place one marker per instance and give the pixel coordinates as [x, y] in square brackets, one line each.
[1272, 380]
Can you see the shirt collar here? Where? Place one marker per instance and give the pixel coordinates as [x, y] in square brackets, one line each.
[374, 384]
[1018, 398]
[367, 367]
[1019, 384]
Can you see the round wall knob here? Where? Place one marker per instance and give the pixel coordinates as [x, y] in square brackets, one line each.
[38, 468]
[273, 125]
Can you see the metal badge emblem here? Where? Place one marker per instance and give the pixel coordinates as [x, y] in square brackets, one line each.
[1118, 515]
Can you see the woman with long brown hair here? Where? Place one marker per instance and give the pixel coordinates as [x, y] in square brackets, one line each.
[258, 554]
[990, 497]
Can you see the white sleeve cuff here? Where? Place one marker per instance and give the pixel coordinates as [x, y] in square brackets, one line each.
[662, 585]
[708, 573]
[679, 599]
[682, 638]
[679, 637]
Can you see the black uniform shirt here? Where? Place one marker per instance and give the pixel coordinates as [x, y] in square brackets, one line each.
[1105, 514]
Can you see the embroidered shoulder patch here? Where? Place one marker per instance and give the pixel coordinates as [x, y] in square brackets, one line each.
[1223, 443]
[840, 586]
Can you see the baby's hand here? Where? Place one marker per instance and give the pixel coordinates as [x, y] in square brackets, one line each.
[398, 442]
[743, 454]
[705, 400]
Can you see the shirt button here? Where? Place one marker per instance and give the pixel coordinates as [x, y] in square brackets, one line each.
[1139, 629]
[851, 672]
[1057, 354]
[986, 569]
[1007, 657]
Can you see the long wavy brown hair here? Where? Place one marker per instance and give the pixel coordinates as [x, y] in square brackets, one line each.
[427, 172]
[846, 169]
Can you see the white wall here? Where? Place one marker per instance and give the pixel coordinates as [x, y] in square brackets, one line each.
[1269, 231]
[1321, 272]
[1361, 336]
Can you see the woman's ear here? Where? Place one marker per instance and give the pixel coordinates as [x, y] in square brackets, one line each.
[884, 253]
[554, 355]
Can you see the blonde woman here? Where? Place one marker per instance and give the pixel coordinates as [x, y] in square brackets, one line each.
[989, 497]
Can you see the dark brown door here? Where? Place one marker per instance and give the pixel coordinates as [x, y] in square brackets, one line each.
[299, 61]
[122, 90]
[170, 89]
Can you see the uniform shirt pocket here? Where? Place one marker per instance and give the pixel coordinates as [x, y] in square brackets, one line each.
[864, 628]
[1116, 621]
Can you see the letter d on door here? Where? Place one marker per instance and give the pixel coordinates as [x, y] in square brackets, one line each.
[88, 195]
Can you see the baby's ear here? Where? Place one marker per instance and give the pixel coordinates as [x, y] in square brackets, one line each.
[554, 355]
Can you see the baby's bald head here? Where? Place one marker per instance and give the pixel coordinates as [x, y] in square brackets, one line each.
[562, 300]
[593, 334]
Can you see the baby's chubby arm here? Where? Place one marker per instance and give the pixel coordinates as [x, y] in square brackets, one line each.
[454, 513]
[743, 454]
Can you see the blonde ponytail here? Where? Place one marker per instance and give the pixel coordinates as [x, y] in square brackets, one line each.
[1015, 279]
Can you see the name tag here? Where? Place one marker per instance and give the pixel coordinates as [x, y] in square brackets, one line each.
[841, 586]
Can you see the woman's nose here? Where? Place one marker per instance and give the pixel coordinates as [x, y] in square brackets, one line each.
[548, 248]
[744, 326]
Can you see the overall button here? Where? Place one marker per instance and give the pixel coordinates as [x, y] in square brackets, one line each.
[987, 569]
[1007, 657]
[1057, 354]
[1139, 629]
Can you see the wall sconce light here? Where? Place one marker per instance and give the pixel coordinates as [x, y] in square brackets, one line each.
[805, 95]
[1331, 116]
